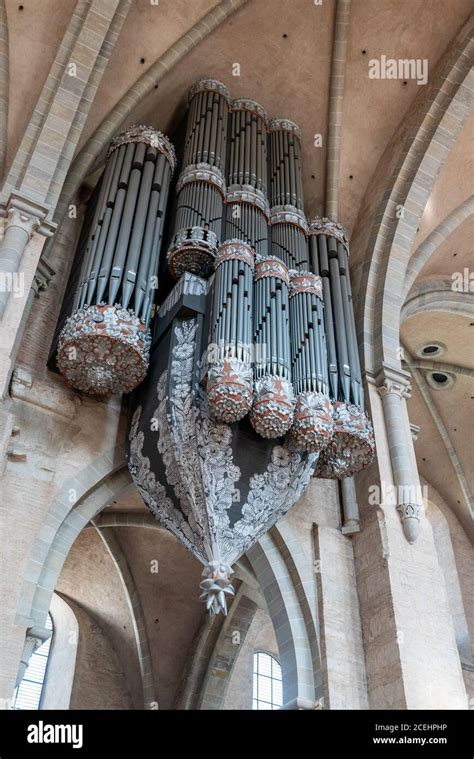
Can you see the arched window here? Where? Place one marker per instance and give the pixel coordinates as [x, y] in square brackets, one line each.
[28, 693]
[267, 692]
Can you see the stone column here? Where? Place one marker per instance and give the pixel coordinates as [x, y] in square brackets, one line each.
[24, 218]
[394, 388]
[350, 509]
[411, 656]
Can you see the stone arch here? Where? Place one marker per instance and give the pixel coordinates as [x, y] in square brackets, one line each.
[75, 504]
[429, 245]
[62, 659]
[225, 651]
[436, 294]
[413, 161]
[285, 598]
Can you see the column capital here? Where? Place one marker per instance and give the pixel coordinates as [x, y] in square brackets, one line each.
[34, 638]
[390, 380]
[410, 518]
[29, 215]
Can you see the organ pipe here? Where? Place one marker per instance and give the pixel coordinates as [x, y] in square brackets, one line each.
[201, 186]
[282, 346]
[352, 444]
[230, 381]
[104, 344]
[289, 228]
[313, 424]
[248, 210]
[272, 411]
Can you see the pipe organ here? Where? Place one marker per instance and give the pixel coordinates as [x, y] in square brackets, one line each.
[351, 446]
[247, 206]
[253, 381]
[105, 342]
[202, 185]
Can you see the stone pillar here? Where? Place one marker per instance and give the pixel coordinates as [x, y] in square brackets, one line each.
[25, 230]
[350, 509]
[394, 388]
[412, 660]
[24, 218]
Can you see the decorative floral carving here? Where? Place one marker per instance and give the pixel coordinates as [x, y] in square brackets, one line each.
[271, 266]
[352, 446]
[149, 135]
[246, 193]
[229, 389]
[289, 214]
[216, 586]
[305, 282]
[209, 85]
[104, 349]
[235, 249]
[206, 511]
[313, 424]
[194, 249]
[286, 125]
[273, 407]
[201, 172]
[245, 104]
[324, 226]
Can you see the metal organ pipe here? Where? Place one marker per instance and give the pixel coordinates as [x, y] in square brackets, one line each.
[289, 228]
[247, 207]
[104, 344]
[272, 411]
[282, 341]
[313, 425]
[352, 446]
[201, 186]
[230, 379]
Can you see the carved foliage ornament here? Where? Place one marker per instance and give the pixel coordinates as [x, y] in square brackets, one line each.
[190, 478]
[289, 214]
[273, 407]
[148, 135]
[209, 85]
[193, 250]
[285, 125]
[352, 446]
[330, 228]
[245, 104]
[104, 349]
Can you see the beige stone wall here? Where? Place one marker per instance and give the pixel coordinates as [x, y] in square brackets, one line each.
[90, 579]
[329, 555]
[99, 681]
[409, 636]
